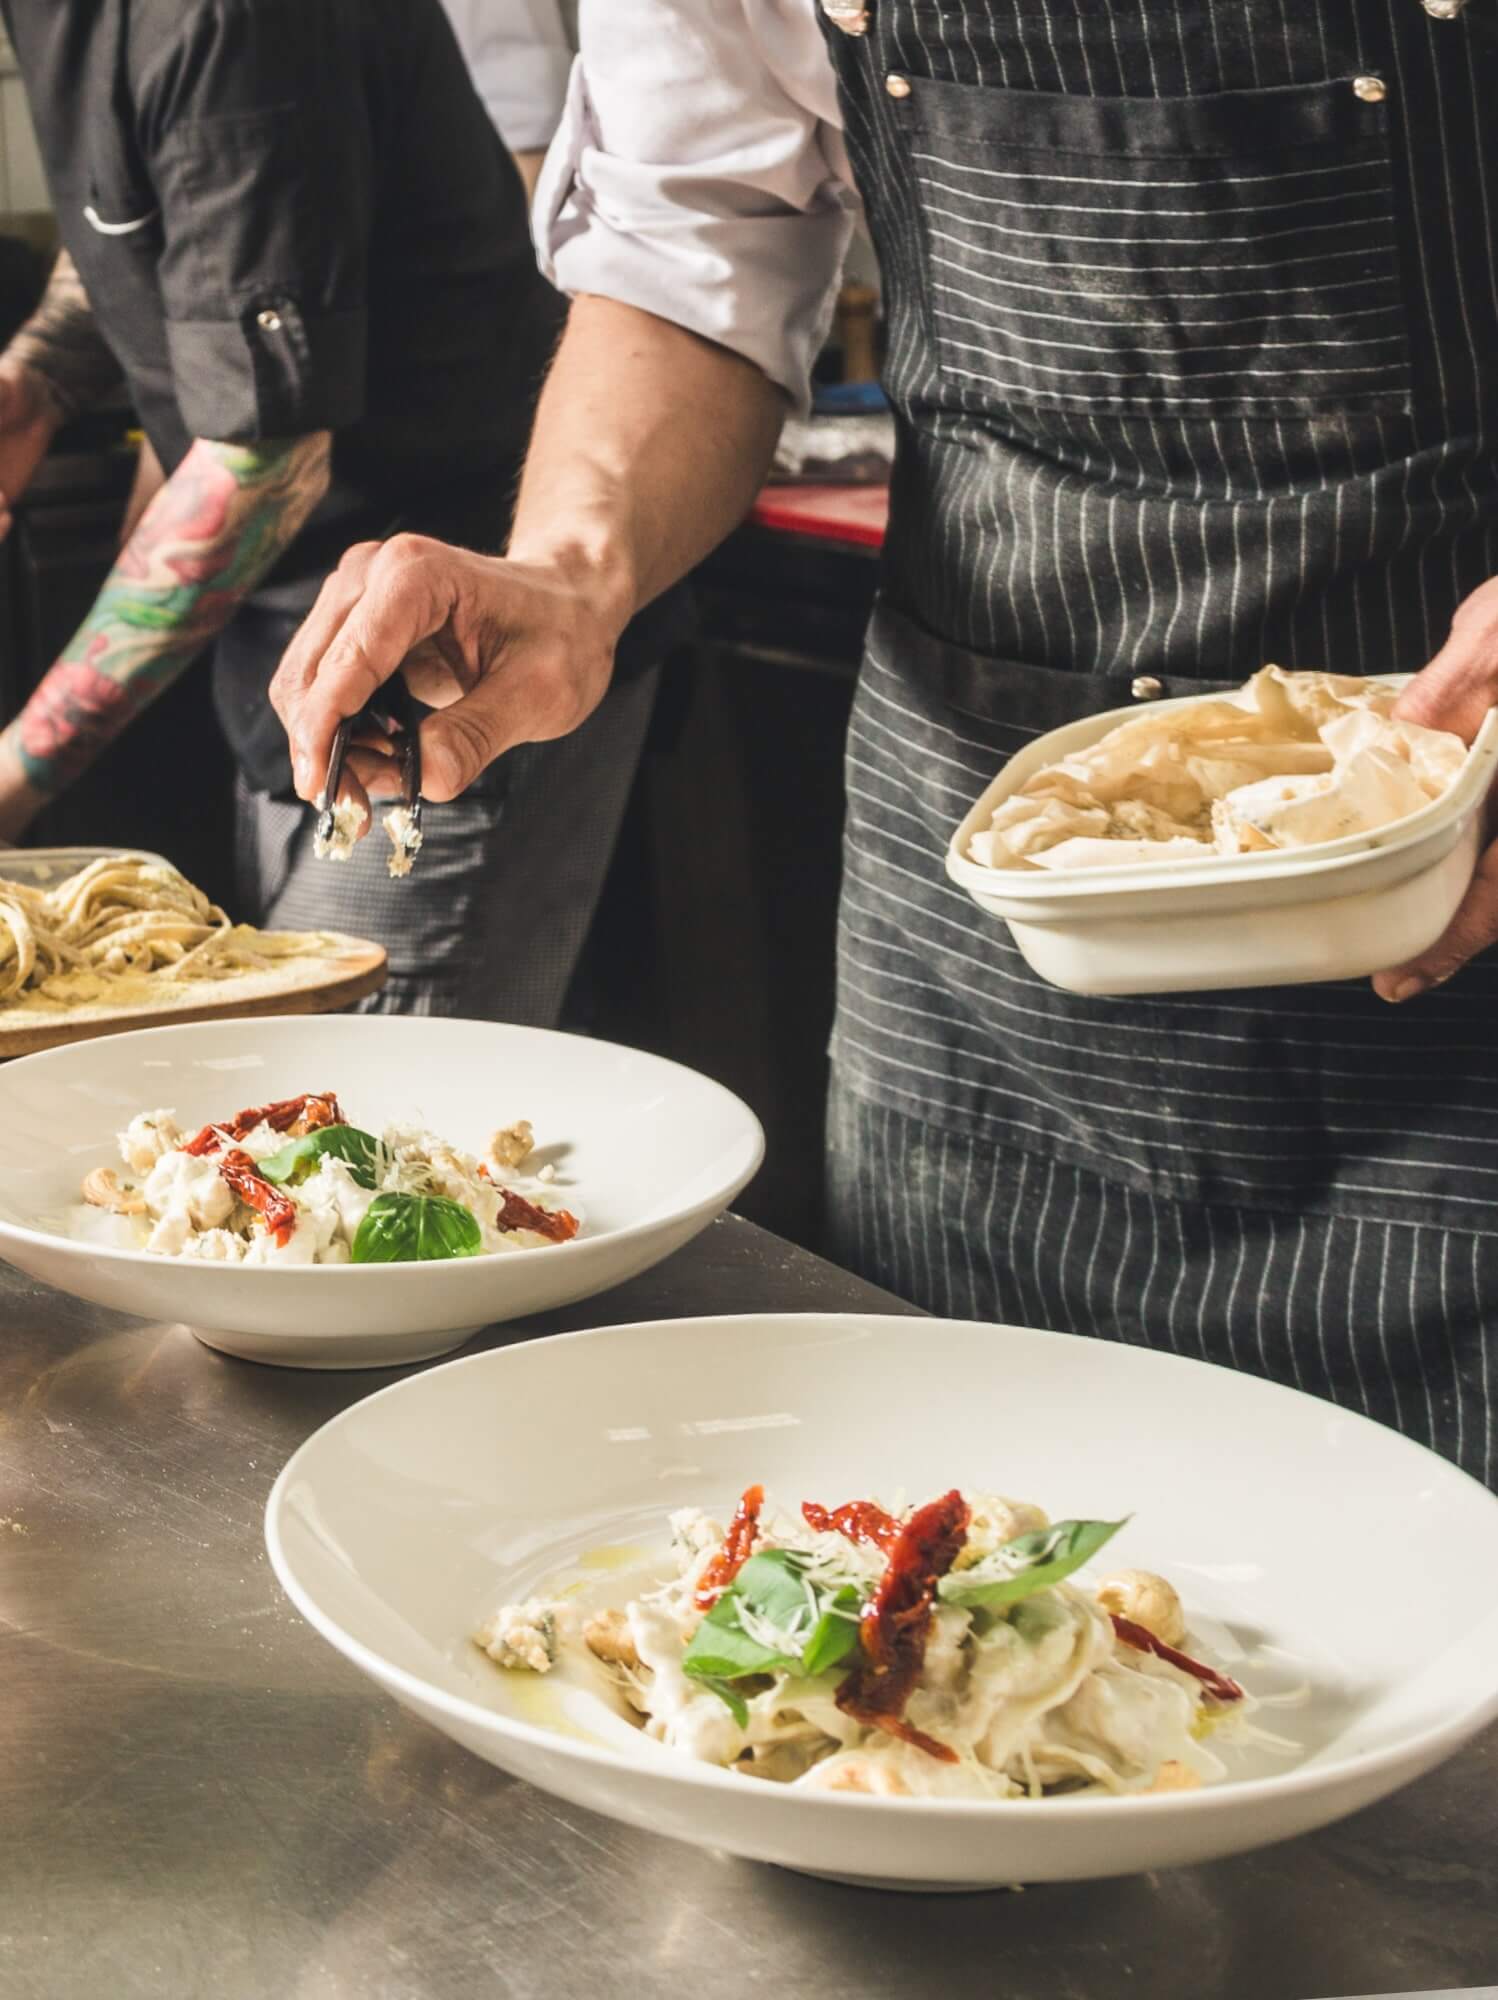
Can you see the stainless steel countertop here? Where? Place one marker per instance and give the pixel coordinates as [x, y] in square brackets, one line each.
[198, 1796]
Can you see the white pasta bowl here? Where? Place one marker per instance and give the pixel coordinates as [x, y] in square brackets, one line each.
[1337, 910]
[647, 1151]
[1309, 1545]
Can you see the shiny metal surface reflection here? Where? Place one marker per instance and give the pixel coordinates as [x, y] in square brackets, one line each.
[198, 1797]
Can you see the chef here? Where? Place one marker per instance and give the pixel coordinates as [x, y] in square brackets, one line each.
[1193, 348]
[294, 229]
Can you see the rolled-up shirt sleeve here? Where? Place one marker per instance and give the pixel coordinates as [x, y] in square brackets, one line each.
[699, 174]
[519, 55]
[257, 141]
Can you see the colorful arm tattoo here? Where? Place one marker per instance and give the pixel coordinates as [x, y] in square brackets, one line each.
[62, 347]
[202, 545]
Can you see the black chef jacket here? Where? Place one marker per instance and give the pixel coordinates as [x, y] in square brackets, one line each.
[293, 216]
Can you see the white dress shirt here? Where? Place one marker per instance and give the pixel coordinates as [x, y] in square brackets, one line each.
[700, 174]
[519, 55]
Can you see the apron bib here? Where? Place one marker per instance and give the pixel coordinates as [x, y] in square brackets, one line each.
[1192, 364]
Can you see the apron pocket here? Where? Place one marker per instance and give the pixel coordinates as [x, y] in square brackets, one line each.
[1229, 254]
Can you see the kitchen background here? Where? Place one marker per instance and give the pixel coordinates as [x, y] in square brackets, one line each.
[714, 942]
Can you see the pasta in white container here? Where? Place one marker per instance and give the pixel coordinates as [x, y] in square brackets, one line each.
[1196, 919]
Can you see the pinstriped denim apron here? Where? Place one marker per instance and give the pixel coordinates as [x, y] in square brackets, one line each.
[1193, 317]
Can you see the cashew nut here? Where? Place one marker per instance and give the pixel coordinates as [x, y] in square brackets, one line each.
[609, 1638]
[1146, 1599]
[102, 1190]
[1174, 1776]
[856, 1774]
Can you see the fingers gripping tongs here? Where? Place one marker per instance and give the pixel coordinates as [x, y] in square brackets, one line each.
[390, 715]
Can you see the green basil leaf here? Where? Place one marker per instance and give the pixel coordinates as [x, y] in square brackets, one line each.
[720, 1648]
[416, 1228]
[1029, 1563]
[834, 1637]
[296, 1161]
[730, 1695]
[816, 1628]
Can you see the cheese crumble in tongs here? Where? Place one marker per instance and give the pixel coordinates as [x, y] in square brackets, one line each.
[393, 714]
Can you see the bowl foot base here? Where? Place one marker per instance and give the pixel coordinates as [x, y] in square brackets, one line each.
[903, 1887]
[379, 1350]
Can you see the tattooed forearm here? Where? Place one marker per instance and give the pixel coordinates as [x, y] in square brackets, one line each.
[63, 347]
[205, 541]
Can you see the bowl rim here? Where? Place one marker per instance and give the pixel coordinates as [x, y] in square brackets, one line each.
[1328, 857]
[752, 1135]
[1421, 1751]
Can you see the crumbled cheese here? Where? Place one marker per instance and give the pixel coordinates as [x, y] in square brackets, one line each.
[693, 1533]
[146, 1138]
[405, 840]
[349, 821]
[215, 1246]
[525, 1635]
[512, 1144]
[190, 1188]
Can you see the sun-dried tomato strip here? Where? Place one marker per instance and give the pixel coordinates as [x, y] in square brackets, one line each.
[515, 1212]
[896, 1623]
[858, 1520]
[738, 1545]
[277, 1209]
[320, 1108]
[308, 1113]
[1218, 1686]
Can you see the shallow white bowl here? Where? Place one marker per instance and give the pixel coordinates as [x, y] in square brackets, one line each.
[1339, 910]
[1307, 1543]
[649, 1151]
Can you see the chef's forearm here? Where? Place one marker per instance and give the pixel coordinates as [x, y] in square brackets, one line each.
[649, 447]
[530, 161]
[62, 346]
[209, 536]
[147, 483]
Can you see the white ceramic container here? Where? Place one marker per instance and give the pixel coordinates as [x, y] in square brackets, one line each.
[1311, 1547]
[649, 1151]
[1334, 911]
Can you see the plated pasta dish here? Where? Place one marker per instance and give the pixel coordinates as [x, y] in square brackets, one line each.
[947, 1650]
[293, 1182]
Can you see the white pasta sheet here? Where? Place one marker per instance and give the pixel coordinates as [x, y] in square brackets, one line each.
[1289, 760]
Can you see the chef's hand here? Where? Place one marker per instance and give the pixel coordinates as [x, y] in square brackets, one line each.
[506, 651]
[28, 422]
[1455, 692]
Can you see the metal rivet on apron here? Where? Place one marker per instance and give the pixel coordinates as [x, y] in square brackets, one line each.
[852, 16]
[897, 86]
[1144, 687]
[1372, 89]
[270, 320]
[1443, 10]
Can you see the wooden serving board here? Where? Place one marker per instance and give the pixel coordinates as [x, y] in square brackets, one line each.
[304, 986]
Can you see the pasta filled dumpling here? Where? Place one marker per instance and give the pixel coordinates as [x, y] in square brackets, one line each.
[1291, 759]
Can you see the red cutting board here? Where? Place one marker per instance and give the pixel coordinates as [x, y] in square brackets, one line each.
[855, 514]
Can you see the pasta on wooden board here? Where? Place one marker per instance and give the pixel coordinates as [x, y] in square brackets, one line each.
[127, 919]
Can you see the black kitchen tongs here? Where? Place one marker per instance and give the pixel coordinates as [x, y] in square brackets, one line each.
[394, 713]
